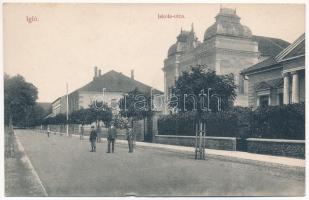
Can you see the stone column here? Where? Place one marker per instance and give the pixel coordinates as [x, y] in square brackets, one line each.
[286, 89]
[295, 87]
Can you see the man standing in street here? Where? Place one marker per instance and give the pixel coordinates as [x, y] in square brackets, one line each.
[93, 138]
[130, 138]
[82, 132]
[99, 131]
[48, 130]
[111, 137]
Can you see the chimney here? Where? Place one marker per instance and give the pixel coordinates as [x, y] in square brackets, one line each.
[100, 72]
[132, 74]
[95, 72]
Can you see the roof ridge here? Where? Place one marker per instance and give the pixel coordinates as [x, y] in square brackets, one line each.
[134, 80]
[289, 48]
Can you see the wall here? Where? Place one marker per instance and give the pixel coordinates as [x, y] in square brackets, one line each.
[222, 143]
[289, 148]
[86, 97]
[259, 77]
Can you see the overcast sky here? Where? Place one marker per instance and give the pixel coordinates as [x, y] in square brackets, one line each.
[68, 40]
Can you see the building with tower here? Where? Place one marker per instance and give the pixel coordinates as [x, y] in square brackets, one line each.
[227, 47]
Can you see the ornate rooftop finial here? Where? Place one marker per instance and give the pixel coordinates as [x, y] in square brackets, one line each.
[192, 27]
[181, 30]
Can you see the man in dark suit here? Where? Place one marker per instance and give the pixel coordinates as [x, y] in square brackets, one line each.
[111, 137]
[130, 138]
[93, 138]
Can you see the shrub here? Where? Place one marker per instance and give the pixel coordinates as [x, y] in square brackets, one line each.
[280, 122]
[225, 124]
[285, 122]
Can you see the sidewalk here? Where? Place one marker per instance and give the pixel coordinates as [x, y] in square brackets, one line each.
[20, 177]
[293, 162]
[232, 154]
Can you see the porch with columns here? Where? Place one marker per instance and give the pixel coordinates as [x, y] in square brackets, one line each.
[291, 87]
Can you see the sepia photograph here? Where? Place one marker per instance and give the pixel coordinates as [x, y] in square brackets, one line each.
[154, 99]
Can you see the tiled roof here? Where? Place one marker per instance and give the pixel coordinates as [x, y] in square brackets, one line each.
[263, 64]
[270, 46]
[116, 82]
[294, 49]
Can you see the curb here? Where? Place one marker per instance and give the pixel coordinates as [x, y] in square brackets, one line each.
[269, 159]
[28, 164]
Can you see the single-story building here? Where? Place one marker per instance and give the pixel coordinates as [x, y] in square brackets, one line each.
[278, 80]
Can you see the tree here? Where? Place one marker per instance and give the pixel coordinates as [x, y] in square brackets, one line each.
[192, 89]
[101, 113]
[35, 116]
[60, 119]
[93, 114]
[136, 105]
[19, 97]
[82, 116]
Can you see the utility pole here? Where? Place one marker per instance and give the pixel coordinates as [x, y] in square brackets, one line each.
[67, 87]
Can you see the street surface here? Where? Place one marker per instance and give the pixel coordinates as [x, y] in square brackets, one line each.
[67, 168]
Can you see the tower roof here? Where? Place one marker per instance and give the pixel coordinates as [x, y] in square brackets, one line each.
[227, 23]
[185, 40]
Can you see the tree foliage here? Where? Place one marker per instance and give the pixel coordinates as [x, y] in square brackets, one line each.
[198, 80]
[102, 113]
[136, 105]
[34, 116]
[19, 100]
[59, 119]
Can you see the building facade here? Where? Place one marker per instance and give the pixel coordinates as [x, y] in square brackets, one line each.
[227, 47]
[278, 80]
[58, 106]
[108, 88]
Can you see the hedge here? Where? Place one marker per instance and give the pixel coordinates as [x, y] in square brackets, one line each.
[286, 122]
[281, 122]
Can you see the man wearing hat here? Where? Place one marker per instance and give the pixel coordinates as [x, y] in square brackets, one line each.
[93, 138]
[111, 137]
[130, 138]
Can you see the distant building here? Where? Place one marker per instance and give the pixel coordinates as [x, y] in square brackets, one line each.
[58, 106]
[228, 47]
[280, 79]
[115, 85]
